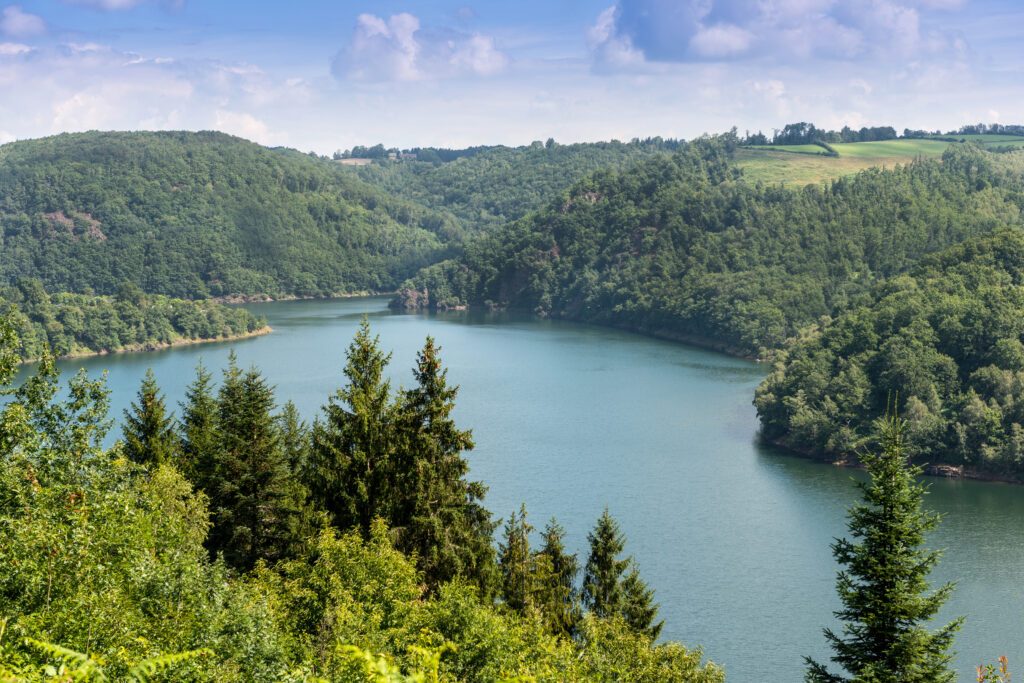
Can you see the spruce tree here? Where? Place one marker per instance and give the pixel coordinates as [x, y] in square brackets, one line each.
[883, 585]
[149, 436]
[354, 445]
[602, 588]
[256, 511]
[439, 515]
[638, 607]
[200, 441]
[559, 599]
[294, 437]
[516, 563]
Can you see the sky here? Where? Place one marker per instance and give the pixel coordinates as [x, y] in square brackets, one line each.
[323, 75]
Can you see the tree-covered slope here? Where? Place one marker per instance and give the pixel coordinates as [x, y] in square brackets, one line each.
[942, 345]
[683, 246]
[484, 188]
[81, 324]
[198, 214]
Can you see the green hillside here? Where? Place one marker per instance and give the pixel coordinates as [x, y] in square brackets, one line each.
[685, 247]
[943, 344]
[484, 188]
[777, 163]
[199, 214]
[79, 324]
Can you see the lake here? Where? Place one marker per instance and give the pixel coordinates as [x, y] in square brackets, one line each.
[733, 536]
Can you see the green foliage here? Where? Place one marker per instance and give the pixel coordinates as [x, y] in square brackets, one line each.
[517, 563]
[994, 673]
[200, 438]
[682, 247]
[192, 215]
[944, 339]
[558, 596]
[612, 587]
[602, 581]
[63, 664]
[256, 503]
[490, 186]
[443, 523]
[149, 436]
[109, 557]
[399, 458]
[77, 324]
[353, 447]
[883, 585]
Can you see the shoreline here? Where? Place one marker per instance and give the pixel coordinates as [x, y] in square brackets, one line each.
[159, 346]
[853, 462]
[238, 299]
[710, 344]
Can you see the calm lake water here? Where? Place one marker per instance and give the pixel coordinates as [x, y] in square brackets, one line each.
[733, 536]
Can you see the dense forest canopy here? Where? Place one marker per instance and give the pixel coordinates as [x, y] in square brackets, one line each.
[78, 324]
[483, 188]
[199, 214]
[682, 246]
[941, 345]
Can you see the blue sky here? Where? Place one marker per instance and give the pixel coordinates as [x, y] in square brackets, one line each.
[324, 75]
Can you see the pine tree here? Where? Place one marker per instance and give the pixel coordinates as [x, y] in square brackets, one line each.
[256, 511]
[639, 609]
[602, 589]
[883, 584]
[148, 429]
[200, 441]
[559, 599]
[516, 563]
[439, 515]
[353, 447]
[294, 437]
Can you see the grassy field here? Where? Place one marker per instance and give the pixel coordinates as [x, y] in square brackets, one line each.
[767, 164]
[799, 149]
[987, 139]
[892, 149]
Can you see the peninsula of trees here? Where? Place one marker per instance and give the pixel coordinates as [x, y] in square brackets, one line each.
[79, 324]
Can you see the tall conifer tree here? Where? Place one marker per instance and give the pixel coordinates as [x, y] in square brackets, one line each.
[883, 584]
[148, 429]
[602, 587]
[638, 606]
[439, 514]
[517, 563]
[559, 598]
[353, 447]
[255, 507]
[200, 441]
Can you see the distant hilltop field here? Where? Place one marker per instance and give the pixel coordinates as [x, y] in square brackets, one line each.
[812, 163]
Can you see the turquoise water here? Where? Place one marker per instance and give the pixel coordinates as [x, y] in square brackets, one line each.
[569, 418]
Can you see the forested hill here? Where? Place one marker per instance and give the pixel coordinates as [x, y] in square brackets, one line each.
[682, 246]
[484, 188]
[200, 214]
[942, 346]
[79, 324]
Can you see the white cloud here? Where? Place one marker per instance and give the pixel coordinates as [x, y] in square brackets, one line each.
[611, 50]
[399, 49]
[243, 125]
[13, 49]
[18, 23]
[478, 55]
[721, 40]
[633, 32]
[108, 5]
